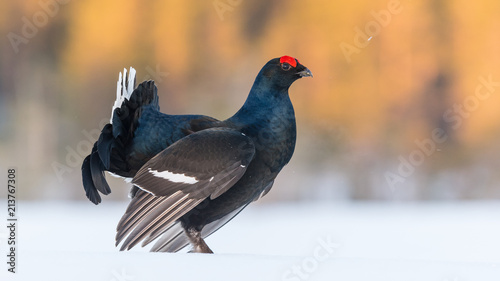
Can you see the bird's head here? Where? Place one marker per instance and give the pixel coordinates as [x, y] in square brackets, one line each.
[282, 72]
[270, 89]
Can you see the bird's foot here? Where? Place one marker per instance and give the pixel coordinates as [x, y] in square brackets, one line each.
[199, 245]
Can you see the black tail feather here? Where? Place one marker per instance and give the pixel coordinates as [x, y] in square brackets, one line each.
[97, 171]
[125, 117]
[109, 152]
[105, 145]
[120, 118]
[88, 183]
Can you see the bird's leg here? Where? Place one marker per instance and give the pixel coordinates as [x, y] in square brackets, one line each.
[199, 245]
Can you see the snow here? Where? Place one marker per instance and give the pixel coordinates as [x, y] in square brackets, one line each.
[320, 241]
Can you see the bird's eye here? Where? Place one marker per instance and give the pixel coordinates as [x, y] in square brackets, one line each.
[286, 66]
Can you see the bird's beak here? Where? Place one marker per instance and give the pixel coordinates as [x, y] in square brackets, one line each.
[305, 73]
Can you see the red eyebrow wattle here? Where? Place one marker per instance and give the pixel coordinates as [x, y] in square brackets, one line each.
[288, 59]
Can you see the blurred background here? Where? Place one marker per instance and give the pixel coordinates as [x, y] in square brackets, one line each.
[404, 103]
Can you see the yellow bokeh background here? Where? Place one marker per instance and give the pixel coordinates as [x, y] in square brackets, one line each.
[360, 113]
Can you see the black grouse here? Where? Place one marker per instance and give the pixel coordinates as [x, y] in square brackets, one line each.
[191, 174]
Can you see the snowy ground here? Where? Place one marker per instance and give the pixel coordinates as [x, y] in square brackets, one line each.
[335, 241]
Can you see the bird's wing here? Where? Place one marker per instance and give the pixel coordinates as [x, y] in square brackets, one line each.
[202, 165]
[173, 239]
